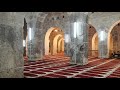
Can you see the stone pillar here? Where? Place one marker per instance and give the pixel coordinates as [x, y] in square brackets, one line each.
[11, 47]
[30, 41]
[31, 38]
[79, 38]
[67, 39]
[102, 42]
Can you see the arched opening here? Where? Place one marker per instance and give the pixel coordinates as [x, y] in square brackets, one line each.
[95, 45]
[47, 42]
[55, 44]
[93, 42]
[52, 41]
[113, 39]
[61, 45]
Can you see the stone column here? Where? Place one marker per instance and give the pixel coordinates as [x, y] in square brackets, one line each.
[67, 42]
[102, 42]
[79, 38]
[30, 41]
[31, 38]
[11, 47]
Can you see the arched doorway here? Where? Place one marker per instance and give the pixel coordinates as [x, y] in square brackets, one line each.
[93, 42]
[52, 38]
[113, 39]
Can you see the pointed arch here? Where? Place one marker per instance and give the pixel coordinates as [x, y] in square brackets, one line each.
[47, 40]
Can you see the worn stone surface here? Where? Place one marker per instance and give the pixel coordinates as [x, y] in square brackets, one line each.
[11, 49]
[12, 73]
[79, 39]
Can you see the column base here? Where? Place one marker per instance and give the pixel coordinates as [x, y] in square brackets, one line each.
[73, 63]
[82, 63]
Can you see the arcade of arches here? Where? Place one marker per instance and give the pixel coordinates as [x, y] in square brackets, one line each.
[54, 41]
[59, 45]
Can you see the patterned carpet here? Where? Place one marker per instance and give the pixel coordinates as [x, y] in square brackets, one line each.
[59, 67]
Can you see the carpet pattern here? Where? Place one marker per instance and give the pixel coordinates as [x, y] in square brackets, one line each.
[59, 67]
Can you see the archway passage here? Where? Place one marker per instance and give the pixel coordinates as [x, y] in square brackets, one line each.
[114, 40]
[54, 41]
[60, 45]
[93, 42]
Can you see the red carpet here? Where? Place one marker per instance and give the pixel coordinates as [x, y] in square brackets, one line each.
[59, 67]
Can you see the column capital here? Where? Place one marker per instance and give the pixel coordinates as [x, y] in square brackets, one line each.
[78, 17]
[102, 28]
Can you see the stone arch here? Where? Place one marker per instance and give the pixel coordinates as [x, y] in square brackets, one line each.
[91, 39]
[48, 23]
[43, 21]
[110, 30]
[47, 40]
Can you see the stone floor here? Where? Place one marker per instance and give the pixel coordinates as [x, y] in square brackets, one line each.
[59, 67]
